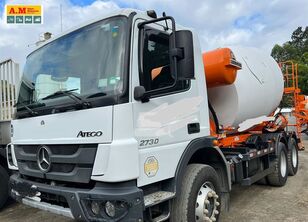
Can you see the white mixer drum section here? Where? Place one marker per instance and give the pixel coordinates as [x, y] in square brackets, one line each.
[257, 90]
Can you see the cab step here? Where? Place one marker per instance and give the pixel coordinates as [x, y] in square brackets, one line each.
[157, 198]
[161, 218]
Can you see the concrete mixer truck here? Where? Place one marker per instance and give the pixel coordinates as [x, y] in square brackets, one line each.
[125, 119]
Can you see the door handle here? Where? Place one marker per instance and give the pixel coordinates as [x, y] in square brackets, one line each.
[193, 128]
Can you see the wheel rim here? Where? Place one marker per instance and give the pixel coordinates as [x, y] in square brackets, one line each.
[206, 204]
[294, 157]
[283, 164]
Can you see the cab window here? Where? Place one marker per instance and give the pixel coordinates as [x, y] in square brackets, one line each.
[155, 65]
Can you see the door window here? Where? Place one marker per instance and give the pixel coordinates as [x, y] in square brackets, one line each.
[155, 65]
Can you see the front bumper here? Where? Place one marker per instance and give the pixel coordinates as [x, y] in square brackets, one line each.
[29, 192]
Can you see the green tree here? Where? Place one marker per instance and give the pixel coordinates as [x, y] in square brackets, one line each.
[296, 50]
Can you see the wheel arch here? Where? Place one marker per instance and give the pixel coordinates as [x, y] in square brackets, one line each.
[202, 151]
[293, 135]
[276, 138]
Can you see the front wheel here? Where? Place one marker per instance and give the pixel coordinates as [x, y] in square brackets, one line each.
[199, 196]
[292, 157]
[4, 187]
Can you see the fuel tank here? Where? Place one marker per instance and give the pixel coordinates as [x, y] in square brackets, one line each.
[256, 91]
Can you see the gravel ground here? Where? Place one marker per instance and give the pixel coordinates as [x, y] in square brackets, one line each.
[254, 203]
[265, 203]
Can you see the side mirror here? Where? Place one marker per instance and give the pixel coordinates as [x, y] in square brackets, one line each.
[140, 94]
[184, 52]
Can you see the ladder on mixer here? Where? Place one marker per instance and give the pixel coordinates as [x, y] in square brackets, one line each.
[291, 88]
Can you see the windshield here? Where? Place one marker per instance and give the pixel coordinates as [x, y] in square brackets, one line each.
[89, 61]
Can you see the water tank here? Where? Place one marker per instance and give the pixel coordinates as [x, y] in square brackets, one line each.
[257, 90]
[220, 67]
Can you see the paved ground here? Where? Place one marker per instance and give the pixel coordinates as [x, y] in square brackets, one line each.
[255, 204]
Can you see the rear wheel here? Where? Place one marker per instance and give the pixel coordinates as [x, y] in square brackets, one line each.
[199, 196]
[292, 157]
[280, 175]
[262, 181]
[4, 187]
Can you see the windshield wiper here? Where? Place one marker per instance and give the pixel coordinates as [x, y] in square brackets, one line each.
[31, 111]
[97, 95]
[71, 95]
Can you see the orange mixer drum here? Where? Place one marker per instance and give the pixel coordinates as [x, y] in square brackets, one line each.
[220, 67]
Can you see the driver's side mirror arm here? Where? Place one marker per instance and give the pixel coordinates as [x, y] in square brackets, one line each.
[140, 94]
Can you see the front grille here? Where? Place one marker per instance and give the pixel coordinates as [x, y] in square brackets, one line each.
[70, 163]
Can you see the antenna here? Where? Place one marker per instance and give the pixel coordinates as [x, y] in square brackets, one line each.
[61, 22]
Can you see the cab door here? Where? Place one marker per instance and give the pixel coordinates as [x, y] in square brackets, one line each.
[165, 124]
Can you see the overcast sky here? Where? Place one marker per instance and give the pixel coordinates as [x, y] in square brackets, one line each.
[257, 23]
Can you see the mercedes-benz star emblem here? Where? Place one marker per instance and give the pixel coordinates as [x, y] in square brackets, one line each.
[43, 159]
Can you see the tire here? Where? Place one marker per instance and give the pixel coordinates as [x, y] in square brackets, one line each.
[262, 181]
[4, 186]
[292, 157]
[280, 175]
[199, 181]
